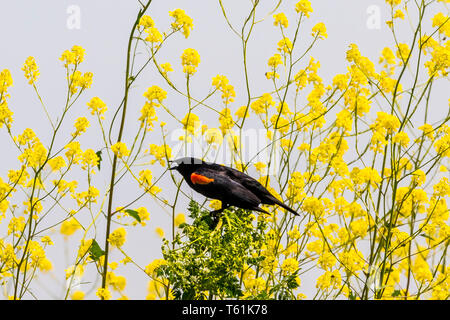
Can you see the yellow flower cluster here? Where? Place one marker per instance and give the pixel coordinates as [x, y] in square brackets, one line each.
[191, 123]
[383, 125]
[81, 125]
[222, 84]
[160, 153]
[75, 56]
[190, 59]
[182, 22]
[273, 63]
[281, 20]
[120, 149]
[97, 106]
[262, 104]
[31, 70]
[118, 237]
[319, 31]
[304, 7]
[79, 80]
[6, 114]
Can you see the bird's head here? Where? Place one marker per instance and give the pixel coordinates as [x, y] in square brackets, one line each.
[186, 165]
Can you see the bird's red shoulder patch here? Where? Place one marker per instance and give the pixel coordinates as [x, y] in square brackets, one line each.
[199, 179]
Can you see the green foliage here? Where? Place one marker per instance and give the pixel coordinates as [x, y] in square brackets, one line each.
[95, 252]
[208, 257]
[134, 214]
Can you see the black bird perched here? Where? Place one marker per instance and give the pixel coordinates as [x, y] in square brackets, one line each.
[231, 186]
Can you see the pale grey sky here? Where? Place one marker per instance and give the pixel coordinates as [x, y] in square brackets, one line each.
[39, 29]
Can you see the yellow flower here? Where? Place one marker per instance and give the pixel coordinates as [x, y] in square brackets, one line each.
[179, 219]
[275, 61]
[74, 151]
[146, 22]
[148, 115]
[47, 240]
[289, 266]
[81, 125]
[442, 188]
[120, 149]
[191, 122]
[118, 237]
[35, 155]
[386, 122]
[145, 177]
[319, 31]
[240, 113]
[190, 59]
[261, 105]
[5, 114]
[97, 106]
[68, 227]
[442, 22]
[418, 177]
[153, 35]
[103, 293]
[155, 93]
[79, 80]
[78, 51]
[166, 67]
[31, 70]
[6, 81]
[387, 56]
[401, 138]
[403, 51]
[89, 159]
[225, 120]
[182, 21]
[160, 232]
[428, 130]
[16, 225]
[118, 283]
[75, 56]
[304, 7]
[68, 58]
[359, 227]
[77, 295]
[260, 167]
[281, 20]
[393, 2]
[329, 280]
[340, 81]
[57, 163]
[213, 135]
[344, 120]
[215, 204]
[222, 84]
[285, 45]
[399, 14]
[153, 266]
[326, 260]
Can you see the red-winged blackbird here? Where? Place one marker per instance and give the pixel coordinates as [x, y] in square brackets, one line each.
[232, 187]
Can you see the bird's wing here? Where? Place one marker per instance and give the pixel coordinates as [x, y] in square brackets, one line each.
[248, 182]
[252, 185]
[213, 184]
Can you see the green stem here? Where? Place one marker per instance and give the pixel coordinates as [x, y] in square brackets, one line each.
[119, 138]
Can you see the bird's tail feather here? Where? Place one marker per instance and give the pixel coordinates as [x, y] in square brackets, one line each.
[281, 204]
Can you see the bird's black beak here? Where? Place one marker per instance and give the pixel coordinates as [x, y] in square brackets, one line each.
[173, 168]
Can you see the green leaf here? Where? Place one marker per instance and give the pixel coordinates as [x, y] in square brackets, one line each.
[351, 296]
[134, 214]
[427, 236]
[396, 293]
[95, 251]
[99, 155]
